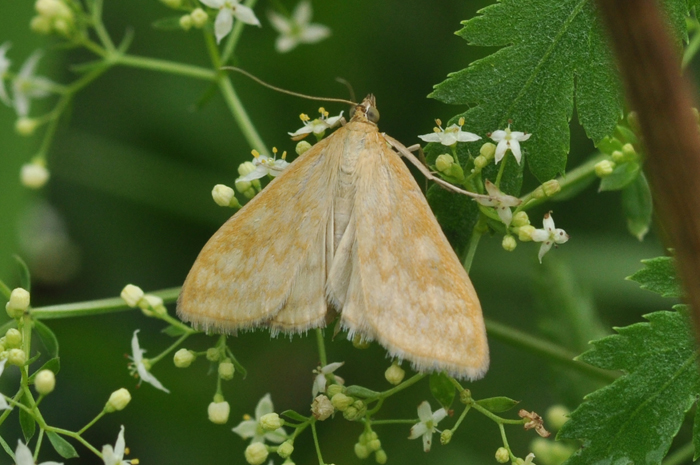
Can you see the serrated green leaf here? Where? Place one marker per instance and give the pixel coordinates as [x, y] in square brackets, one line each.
[634, 419]
[294, 415]
[637, 205]
[457, 215]
[498, 404]
[26, 421]
[554, 53]
[361, 392]
[173, 331]
[622, 176]
[47, 337]
[442, 389]
[171, 23]
[25, 278]
[659, 276]
[63, 447]
[696, 434]
[54, 365]
[608, 145]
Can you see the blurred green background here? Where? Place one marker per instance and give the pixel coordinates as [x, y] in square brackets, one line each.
[129, 201]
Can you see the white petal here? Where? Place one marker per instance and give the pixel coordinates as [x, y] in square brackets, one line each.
[544, 248]
[515, 148]
[284, 44]
[20, 102]
[3, 403]
[23, 456]
[498, 136]
[277, 436]
[302, 13]
[51, 463]
[136, 352]
[259, 172]
[439, 415]
[501, 149]
[427, 441]
[560, 236]
[492, 190]
[331, 367]
[305, 130]
[548, 223]
[418, 430]
[319, 385]
[246, 15]
[223, 24]
[464, 136]
[213, 3]
[3, 94]
[539, 235]
[448, 138]
[521, 136]
[278, 166]
[2, 365]
[108, 455]
[27, 70]
[120, 444]
[505, 214]
[279, 22]
[148, 377]
[246, 429]
[432, 137]
[264, 407]
[424, 412]
[314, 33]
[333, 121]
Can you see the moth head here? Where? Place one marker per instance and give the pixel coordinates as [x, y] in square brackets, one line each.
[367, 110]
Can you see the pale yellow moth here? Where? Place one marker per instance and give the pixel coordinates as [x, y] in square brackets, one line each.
[345, 228]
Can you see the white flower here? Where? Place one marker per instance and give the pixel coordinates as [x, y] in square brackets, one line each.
[451, 135]
[297, 29]
[501, 201]
[529, 459]
[23, 456]
[137, 357]
[34, 175]
[265, 165]
[3, 402]
[548, 235]
[251, 428]
[4, 66]
[228, 9]
[115, 456]
[24, 86]
[218, 412]
[508, 139]
[317, 126]
[426, 427]
[320, 381]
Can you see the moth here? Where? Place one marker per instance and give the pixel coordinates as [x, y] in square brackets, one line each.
[344, 230]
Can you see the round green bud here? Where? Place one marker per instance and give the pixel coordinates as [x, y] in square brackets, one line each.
[245, 188]
[172, 3]
[465, 396]
[334, 389]
[152, 305]
[246, 168]
[45, 382]
[356, 411]
[617, 157]
[13, 338]
[446, 437]
[183, 358]
[186, 22]
[394, 374]
[41, 25]
[322, 407]
[520, 219]
[271, 422]
[629, 152]
[359, 342]
[488, 150]
[341, 402]
[380, 457]
[256, 453]
[223, 195]
[547, 189]
[525, 232]
[213, 354]
[199, 17]
[480, 162]
[218, 412]
[444, 162]
[132, 295]
[361, 451]
[26, 126]
[302, 147]
[604, 168]
[118, 400]
[16, 357]
[226, 370]
[63, 27]
[502, 455]
[509, 244]
[285, 449]
[374, 444]
[556, 416]
[18, 304]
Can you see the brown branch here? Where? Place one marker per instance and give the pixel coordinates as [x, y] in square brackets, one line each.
[650, 68]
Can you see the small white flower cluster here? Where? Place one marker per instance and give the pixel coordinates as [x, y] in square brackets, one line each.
[317, 126]
[266, 426]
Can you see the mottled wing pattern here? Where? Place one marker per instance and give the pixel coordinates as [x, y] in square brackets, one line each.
[267, 264]
[406, 288]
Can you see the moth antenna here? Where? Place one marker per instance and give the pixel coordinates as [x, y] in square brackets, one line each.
[285, 91]
[347, 84]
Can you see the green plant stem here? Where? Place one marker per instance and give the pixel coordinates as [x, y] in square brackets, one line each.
[14, 401]
[39, 440]
[396, 422]
[494, 417]
[549, 350]
[390, 392]
[5, 290]
[172, 347]
[505, 442]
[164, 66]
[7, 448]
[92, 422]
[681, 456]
[75, 436]
[99, 26]
[316, 444]
[461, 418]
[235, 35]
[477, 232]
[501, 169]
[321, 347]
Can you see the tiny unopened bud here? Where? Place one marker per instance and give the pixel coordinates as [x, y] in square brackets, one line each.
[605, 168]
[218, 412]
[394, 374]
[213, 354]
[444, 162]
[183, 358]
[547, 189]
[285, 449]
[271, 422]
[488, 150]
[361, 451]
[302, 147]
[63, 26]
[16, 357]
[224, 196]
[34, 175]
[520, 219]
[132, 295]
[256, 453]
[245, 187]
[322, 407]
[19, 302]
[172, 3]
[246, 168]
[374, 444]
[45, 382]
[380, 457]
[556, 416]
[465, 396]
[186, 22]
[359, 342]
[502, 455]
[341, 402]
[118, 400]
[226, 370]
[356, 411]
[26, 126]
[525, 232]
[49, 8]
[13, 338]
[199, 17]
[629, 152]
[480, 162]
[152, 304]
[446, 437]
[334, 389]
[509, 244]
[40, 25]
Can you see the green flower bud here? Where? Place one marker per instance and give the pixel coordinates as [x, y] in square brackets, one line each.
[174, 4]
[509, 244]
[63, 27]
[218, 412]
[186, 22]
[13, 338]
[446, 437]
[380, 457]
[285, 449]
[525, 233]
[16, 357]
[132, 295]
[271, 422]
[213, 354]
[26, 126]
[302, 147]
[183, 358]
[226, 370]
[629, 152]
[18, 304]
[256, 453]
[361, 451]
[41, 25]
[45, 382]
[199, 18]
[152, 305]
[374, 444]
[465, 396]
[356, 411]
[118, 400]
[246, 168]
[341, 402]
[245, 188]
[394, 374]
[444, 162]
[556, 416]
[334, 389]
[605, 168]
[488, 150]
[359, 342]
[502, 455]
[224, 196]
[520, 219]
[480, 162]
[547, 189]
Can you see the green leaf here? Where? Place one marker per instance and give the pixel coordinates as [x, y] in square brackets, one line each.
[48, 338]
[26, 421]
[294, 415]
[634, 419]
[7, 325]
[173, 331]
[457, 215]
[696, 434]
[62, 446]
[54, 365]
[171, 23]
[236, 364]
[442, 389]
[498, 404]
[554, 53]
[25, 279]
[609, 144]
[659, 276]
[360, 391]
[637, 205]
[621, 177]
